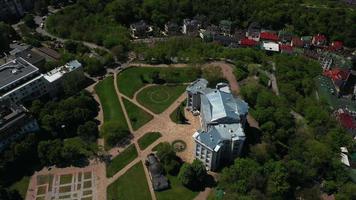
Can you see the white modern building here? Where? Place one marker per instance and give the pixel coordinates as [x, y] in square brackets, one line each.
[21, 81]
[222, 118]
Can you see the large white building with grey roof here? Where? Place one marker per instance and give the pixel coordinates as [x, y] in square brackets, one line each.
[222, 118]
[21, 81]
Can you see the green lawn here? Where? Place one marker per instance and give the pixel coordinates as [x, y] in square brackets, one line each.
[132, 185]
[21, 186]
[110, 102]
[134, 78]
[156, 147]
[158, 98]
[178, 115]
[148, 139]
[138, 117]
[121, 160]
[176, 190]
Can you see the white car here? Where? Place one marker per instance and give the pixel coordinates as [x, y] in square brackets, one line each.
[42, 25]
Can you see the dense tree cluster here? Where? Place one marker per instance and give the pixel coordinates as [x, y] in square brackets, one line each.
[185, 49]
[302, 17]
[192, 175]
[71, 151]
[62, 118]
[168, 158]
[298, 153]
[87, 23]
[7, 34]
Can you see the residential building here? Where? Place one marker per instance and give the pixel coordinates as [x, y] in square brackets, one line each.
[248, 42]
[288, 49]
[319, 40]
[346, 120]
[21, 81]
[270, 46]
[225, 27]
[336, 46]
[140, 29]
[222, 118]
[159, 181]
[253, 31]
[171, 28]
[344, 80]
[297, 42]
[285, 37]
[268, 36]
[191, 27]
[307, 41]
[15, 122]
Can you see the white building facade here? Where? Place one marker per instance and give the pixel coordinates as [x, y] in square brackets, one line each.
[222, 117]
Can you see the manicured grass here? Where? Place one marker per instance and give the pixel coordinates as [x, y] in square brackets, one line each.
[132, 185]
[110, 102]
[158, 98]
[65, 179]
[21, 186]
[121, 160]
[138, 117]
[176, 190]
[134, 78]
[156, 147]
[148, 139]
[178, 115]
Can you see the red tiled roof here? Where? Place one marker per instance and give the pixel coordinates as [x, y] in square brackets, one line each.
[248, 42]
[268, 36]
[347, 121]
[287, 48]
[319, 38]
[337, 74]
[297, 42]
[336, 45]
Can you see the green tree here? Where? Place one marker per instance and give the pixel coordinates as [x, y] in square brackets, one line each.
[277, 183]
[88, 131]
[243, 176]
[29, 21]
[192, 174]
[165, 152]
[346, 192]
[75, 150]
[49, 152]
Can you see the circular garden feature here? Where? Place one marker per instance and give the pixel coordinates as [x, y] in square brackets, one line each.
[159, 96]
[179, 145]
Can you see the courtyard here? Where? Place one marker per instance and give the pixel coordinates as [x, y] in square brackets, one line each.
[146, 108]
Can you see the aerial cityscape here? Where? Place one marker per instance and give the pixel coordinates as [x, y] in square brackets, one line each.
[177, 99]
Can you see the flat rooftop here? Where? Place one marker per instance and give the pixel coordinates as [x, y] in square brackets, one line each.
[14, 71]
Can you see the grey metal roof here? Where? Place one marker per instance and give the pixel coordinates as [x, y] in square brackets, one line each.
[217, 105]
[74, 64]
[159, 181]
[219, 133]
[197, 86]
[14, 71]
